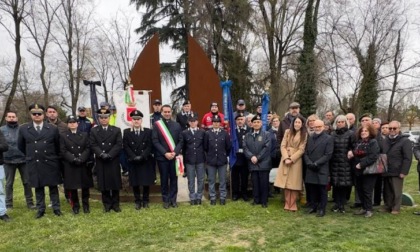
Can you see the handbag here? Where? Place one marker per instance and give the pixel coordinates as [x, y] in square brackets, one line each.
[380, 166]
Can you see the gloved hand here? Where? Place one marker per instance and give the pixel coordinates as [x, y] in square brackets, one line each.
[77, 161]
[138, 159]
[315, 167]
[105, 156]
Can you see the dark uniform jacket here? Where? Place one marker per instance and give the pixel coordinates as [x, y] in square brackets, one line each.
[240, 156]
[217, 147]
[182, 118]
[159, 143]
[400, 155]
[340, 166]
[76, 176]
[142, 172]
[85, 125]
[258, 145]
[319, 150]
[110, 142]
[192, 146]
[42, 154]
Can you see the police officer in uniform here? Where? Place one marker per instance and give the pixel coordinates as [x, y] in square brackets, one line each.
[191, 142]
[84, 122]
[75, 153]
[137, 142]
[40, 142]
[106, 143]
[217, 145]
[257, 147]
[240, 172]
[182, 117]
[157, 114]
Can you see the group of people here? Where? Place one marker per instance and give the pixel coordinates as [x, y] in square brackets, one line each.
[310, 154]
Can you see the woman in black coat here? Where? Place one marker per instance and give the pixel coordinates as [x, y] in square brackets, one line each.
[340, 168]
[365, 152]
[75, 152]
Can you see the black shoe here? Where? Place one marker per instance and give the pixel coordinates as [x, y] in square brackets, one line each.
[86, 209]
[192, 202]
[245, 198]
[264, 205]
[58, 212]
[312, 210]
[40, 214]
[213, 202]
[198, 201]
[356, 205]
[416, 213]
[222, 202]
[335, 209]
[321, 213]
[117, 209]
[9, 207]
[145, 204]
[270, 195]
[76, 210]
[166, 205]
[5, 218]
[174, 205]
[235, 197]
[31, 206]
[138, 206]
[254, 203]
[107, 210]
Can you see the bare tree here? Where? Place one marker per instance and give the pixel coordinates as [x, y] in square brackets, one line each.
[16, 9]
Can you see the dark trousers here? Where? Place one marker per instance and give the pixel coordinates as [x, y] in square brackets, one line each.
[393, 189]
[341, 193]
[137, 197]
[10, 172]
[168, 180]
[365, 185]
[240, 174]
[309, 200]
[318, 195]
[377, 194]
[260, 186]
[40, 198]
[74, 197]
[110, 199]
[123, 161]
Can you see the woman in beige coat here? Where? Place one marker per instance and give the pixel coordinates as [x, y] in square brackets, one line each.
[289, 175]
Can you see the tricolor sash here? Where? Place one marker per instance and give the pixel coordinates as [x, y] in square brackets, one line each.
[179, 164]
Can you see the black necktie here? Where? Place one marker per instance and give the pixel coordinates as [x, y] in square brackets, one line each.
[38, 129]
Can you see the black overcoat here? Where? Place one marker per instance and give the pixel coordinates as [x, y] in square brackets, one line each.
[75, 146]
[258, 145]
[42, 154]
[319, 150]
[141, 173]
[110, 142]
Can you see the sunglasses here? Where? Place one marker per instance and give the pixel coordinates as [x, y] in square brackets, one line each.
[82, 110]
[36, 114]
[392, 128]
[103, 117]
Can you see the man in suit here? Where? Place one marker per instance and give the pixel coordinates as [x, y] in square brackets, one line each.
[40, 142]
[217, 145]
[240, 172]
[191, 143]
[165, 137]
[75, 153]
[317, 156]
[137, 142]
[106, 143]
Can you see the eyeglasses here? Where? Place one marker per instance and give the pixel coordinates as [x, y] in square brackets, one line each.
[241, 104]
[392, 128]
[36, 114]
[82, 110]
[318, 127]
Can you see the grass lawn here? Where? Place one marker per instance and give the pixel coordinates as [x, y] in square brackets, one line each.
[238, 226]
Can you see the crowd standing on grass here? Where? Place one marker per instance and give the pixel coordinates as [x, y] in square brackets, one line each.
[312, 155]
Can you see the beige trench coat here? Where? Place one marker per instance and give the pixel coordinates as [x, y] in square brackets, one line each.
[290, 176]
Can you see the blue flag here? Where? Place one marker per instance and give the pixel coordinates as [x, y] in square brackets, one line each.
[227, 99]
[265, 105]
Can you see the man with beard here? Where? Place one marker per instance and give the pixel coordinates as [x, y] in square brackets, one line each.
[317, 155]
[165, 137]
[14, 160]
[106, 143]
[207, 122]
[294, 111]
[52, 117]
[40, 142]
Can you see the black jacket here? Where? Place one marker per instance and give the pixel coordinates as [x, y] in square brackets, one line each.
[365, 154]
[340, 168]
[240, 156]
[192, 146]
[217, 147]
[399, 154]
[258, 145]
[319, 150]
[416, 152]
[3, 147]
[159, 142]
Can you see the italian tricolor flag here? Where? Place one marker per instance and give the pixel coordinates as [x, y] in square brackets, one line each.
[179, 164]
[129, 95]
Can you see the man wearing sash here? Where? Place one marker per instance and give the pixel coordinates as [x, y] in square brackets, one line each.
[165, 137]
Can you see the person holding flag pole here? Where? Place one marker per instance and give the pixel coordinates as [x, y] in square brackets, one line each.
[165, 137]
